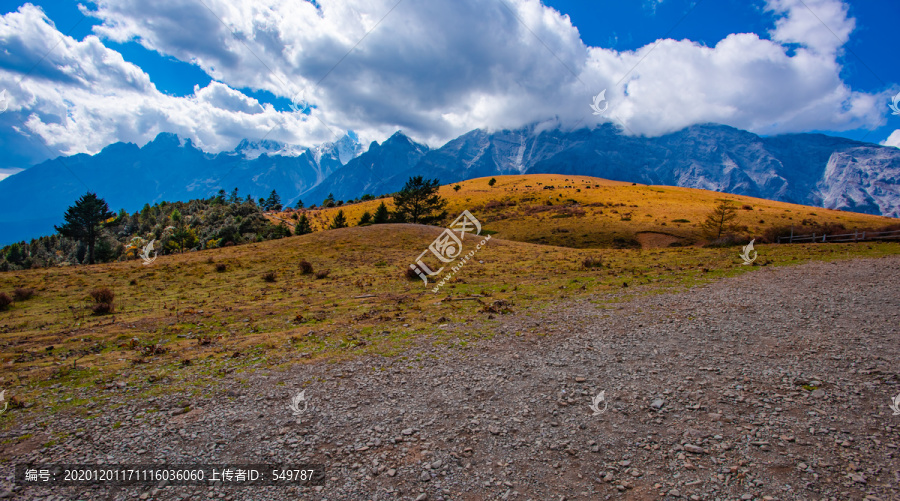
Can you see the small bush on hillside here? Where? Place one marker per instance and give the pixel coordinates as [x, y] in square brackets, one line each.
[22, 293]
[592, 262]
[269, 276]
[322, 274]
[103, 298]
[5, 300]
[102, 308]
[305, 267]
[727, 240]
[103, 295]
[221, 267]
[411, 274]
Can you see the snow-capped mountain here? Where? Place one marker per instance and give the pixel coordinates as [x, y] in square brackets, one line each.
[811, 169]
[167, 168]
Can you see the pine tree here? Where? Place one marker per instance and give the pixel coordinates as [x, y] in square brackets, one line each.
[302, 227]
[492, 182]
[234, 197]
[340, 221]
[273, 202]
[299, 204]
[84, 220]
[15, 255]
[418, 201]
[183, 238]
[382, 215]
[719, 220]
[365, 219]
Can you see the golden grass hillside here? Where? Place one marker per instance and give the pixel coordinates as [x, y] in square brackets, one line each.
[587, 212]
[201, 313]
[344, 293]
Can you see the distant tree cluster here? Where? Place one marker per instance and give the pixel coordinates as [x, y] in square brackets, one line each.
[91, 233]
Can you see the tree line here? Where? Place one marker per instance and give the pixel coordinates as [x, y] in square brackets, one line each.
[92, 233]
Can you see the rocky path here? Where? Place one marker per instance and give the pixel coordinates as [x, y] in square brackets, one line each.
[772, 385]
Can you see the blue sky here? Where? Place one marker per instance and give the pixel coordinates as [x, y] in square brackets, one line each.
[222, 70]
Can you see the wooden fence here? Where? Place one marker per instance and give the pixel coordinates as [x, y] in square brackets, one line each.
[856, 236]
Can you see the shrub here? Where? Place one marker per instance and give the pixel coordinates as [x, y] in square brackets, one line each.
[5, 300]
[322, 274]
[592, 262]
[21, 293]
[747, 207]
[772, 233]
[102, 308]
[411, 274]
[221, 267]
[269, 276]
[103, 295]
[305, 267]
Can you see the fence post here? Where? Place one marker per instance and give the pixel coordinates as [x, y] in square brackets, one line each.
[813, 238]
[856, 235]
[792, 234]
[864, 235]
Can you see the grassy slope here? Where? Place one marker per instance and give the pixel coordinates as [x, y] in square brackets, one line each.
[577, 220]
[364, 306]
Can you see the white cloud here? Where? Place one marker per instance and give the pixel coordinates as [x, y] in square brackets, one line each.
[819, 25]
[893, 139]
[84, 96]
[433, 69]
[5, 173]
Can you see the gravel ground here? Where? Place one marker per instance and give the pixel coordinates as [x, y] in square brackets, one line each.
[772, 385]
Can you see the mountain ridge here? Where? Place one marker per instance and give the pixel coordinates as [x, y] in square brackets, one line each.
[809, 169]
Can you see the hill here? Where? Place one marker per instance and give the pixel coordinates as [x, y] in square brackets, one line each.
[808, 169]
[242, 305]
[586, 212]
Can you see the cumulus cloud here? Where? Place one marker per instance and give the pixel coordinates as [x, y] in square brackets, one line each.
[433, 69]
[893, 139]
[83, 96]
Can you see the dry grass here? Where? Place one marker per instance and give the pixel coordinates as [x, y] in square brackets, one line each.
[184, 317]
[587, 212]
